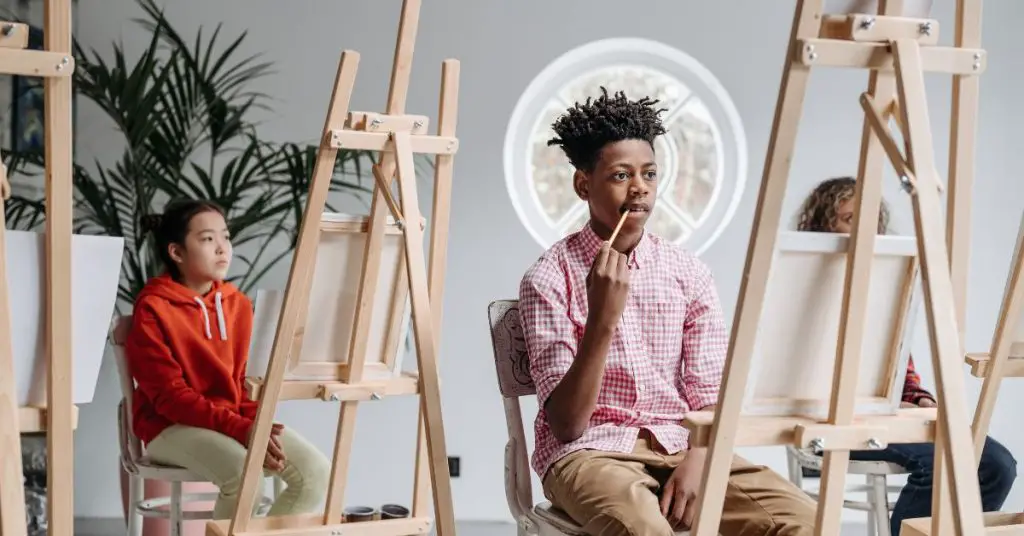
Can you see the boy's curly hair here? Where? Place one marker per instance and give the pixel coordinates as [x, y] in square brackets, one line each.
[583, 130]
[819, 210]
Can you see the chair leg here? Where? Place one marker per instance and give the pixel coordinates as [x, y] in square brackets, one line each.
[879, 499]
[175, 517]
[136, 494]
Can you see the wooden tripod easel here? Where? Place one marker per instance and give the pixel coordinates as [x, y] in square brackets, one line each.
[897, 51]
[397, 136]
[55, 65]
[1005, 359]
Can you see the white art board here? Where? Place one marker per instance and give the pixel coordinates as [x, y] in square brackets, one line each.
[332, 303]
[95, 273]
[795, 352]
[918, 9]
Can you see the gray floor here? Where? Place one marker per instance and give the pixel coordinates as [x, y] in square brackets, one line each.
[113, 527]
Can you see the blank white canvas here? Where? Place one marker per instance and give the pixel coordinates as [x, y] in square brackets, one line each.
[331, 314]
[795, 353]
[95, 273]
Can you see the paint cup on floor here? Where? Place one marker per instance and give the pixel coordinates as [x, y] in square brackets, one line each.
[393, 511]
[355, 514]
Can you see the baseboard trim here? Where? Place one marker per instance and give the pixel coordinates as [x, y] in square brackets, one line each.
[99, 526]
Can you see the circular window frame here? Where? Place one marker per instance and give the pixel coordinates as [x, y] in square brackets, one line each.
[626, 52]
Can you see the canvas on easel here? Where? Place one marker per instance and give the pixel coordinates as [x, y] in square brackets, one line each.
[345, 377]
[55, 65]
[330, 315]
[896, 51]
[791, 372]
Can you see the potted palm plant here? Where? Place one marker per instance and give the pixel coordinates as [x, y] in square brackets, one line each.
[184, 109]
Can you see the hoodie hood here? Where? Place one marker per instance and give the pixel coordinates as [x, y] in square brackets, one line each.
[178, 295]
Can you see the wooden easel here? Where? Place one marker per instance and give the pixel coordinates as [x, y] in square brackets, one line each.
[397, 136]
[56, 65]
[1005, 359]
[897, 51]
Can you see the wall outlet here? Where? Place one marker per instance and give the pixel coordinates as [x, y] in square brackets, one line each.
[453, 466]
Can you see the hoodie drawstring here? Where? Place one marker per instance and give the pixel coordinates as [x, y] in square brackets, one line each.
[221, 325]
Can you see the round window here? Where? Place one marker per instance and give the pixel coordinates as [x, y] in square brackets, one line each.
[702, 157]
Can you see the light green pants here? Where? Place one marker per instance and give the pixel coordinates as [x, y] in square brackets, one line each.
[219, 458]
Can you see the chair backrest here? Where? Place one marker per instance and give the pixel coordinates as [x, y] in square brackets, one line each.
[513, 368]
[131, 447]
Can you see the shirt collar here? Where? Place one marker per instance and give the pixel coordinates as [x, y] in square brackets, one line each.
[640, 255]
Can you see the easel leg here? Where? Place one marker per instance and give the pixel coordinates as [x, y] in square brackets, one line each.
[753, 287]
[868, 196]
[60, 438]
[441, 210]
[12, 493]
[962, 146]
[294, 299]
[360, 336]
[426, 346]
[943, 328]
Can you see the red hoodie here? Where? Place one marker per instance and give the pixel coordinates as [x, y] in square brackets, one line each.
[188, 355]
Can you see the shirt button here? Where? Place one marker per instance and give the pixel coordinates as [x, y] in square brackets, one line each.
[642, 387]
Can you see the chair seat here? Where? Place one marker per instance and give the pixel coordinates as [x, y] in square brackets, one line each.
[147, 468]
[810, 460]
[561, 521]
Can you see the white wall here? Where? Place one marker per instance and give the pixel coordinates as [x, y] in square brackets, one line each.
[741, 41]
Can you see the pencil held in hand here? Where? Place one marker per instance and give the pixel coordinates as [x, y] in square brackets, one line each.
[625, 214]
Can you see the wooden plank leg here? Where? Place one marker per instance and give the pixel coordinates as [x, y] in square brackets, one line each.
[440, 212]
[943, 328]
[962, 148]
[12, 493]
[426, 346]
[59, 213]
[365, 299]
[294, 300]
[753, 286]
[868, 196]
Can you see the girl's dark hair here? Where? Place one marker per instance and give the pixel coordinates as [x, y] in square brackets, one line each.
[819, 211]
[171, 227]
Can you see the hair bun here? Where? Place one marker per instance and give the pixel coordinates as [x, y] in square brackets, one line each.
[151, 222]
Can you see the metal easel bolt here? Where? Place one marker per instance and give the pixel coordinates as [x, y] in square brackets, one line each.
[417, 124]
[925, 28]
[335, 397]
[818, 444]
[375, 123]
[811, 54]
[907, 185]
[874, 443]
[867, 23]
[8, 29]
[375, 396]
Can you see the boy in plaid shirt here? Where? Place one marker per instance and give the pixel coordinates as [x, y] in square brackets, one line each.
[624, 339]
[829, 209]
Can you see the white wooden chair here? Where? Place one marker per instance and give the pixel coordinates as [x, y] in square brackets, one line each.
[514, 381]
[140, 468]
[876, 487]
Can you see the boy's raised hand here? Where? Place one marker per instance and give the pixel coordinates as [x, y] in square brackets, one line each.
[607, 286]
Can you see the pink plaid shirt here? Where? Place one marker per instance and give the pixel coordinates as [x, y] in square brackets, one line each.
[665, 359]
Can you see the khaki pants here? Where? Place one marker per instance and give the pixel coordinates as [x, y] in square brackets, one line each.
[219, 459]
[615, 494]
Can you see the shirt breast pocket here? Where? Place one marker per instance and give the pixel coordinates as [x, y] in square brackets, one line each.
[663, 323]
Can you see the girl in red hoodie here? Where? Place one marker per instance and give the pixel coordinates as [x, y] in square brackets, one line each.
[187, 351]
